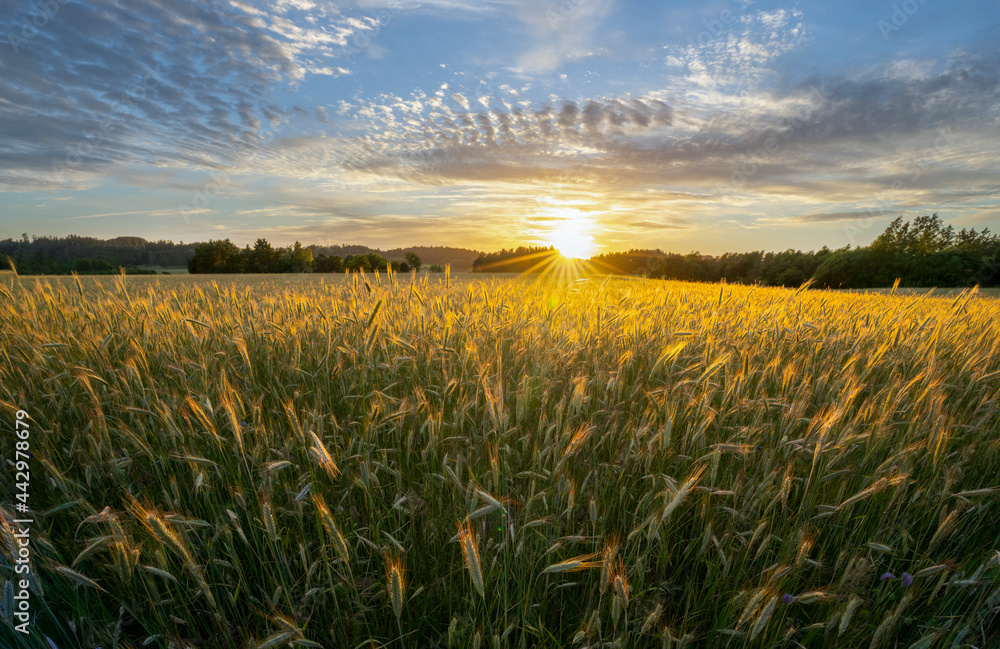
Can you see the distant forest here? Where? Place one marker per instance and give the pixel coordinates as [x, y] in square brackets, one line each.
[226, 257]
[923, 253]
[90, 256]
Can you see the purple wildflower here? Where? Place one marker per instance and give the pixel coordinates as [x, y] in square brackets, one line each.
[907, 579]
[886, 575]
[788, 598]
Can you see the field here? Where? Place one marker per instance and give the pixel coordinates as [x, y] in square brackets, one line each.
[482, 462]
[929, 292]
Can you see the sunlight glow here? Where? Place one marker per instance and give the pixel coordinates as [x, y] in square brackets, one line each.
[573, 245]
[570, 232]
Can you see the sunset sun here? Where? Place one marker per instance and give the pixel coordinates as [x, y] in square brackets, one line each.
[570, 232]
[573, 245]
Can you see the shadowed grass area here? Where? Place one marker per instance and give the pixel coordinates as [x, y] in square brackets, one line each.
[369, 461]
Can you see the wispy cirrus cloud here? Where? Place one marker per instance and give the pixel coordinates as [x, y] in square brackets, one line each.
[154, 82]
[840, 216]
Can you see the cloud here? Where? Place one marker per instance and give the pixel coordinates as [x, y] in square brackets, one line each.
[147, 91]
[798, 130]
[883, 139]
[153, 82]
[563, 30]
[741, 55]
[97, 216]
[839, 216]
[652, 225]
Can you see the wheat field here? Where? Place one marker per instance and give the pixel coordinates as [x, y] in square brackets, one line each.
[440, 461]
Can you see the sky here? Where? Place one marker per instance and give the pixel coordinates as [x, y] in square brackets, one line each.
[592, 125]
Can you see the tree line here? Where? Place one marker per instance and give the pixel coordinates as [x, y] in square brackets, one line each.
[226, 257]
[47, 255]
[789, 268]
[523, 259]
[923, 253]
[87, 255]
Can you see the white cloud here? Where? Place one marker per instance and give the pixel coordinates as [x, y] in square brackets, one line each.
[333, 72]
[740, 57]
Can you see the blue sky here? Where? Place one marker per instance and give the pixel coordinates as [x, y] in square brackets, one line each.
[595, 125]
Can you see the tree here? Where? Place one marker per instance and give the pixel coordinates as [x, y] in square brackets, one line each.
[328, 264]
[791, 268]
[216, 257]
[930, 236]
[357, 263]
[859, 268]
[633, 262]
[264, 257]
[413, 259]
[742, 267]
[300, 259]
[377, 262]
